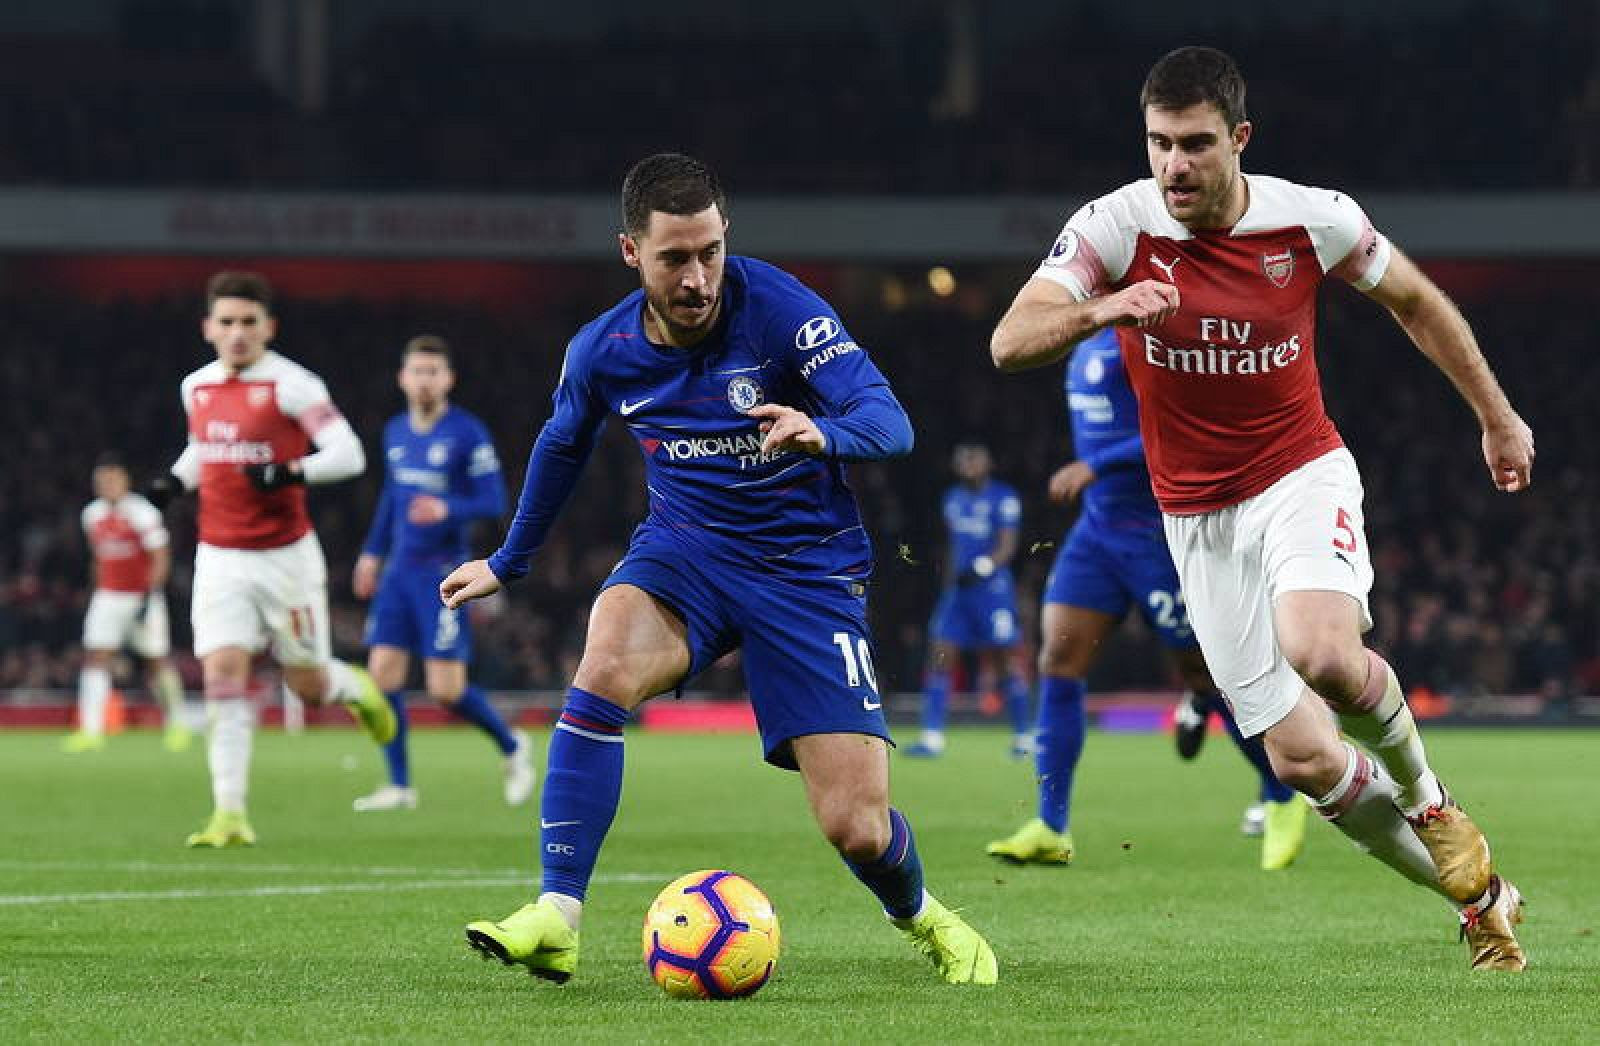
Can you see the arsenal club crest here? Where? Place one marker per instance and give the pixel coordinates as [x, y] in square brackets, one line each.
[1278, 268]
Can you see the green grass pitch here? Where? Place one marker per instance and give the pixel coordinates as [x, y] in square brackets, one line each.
[342, 927]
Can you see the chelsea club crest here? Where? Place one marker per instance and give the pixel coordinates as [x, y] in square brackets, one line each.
[744, 394]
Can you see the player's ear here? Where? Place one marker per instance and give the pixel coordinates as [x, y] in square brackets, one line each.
[630, 250]
[1241, 136]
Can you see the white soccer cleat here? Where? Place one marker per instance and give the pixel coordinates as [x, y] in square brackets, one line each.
[388, 797]
[1254, 821]
[520, 777]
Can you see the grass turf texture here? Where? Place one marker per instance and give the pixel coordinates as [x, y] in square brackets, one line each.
[1163, 930]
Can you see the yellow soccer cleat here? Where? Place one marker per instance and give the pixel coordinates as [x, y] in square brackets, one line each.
[371, 709]
[177, 738]
[961, 955]
[1283, 833]
[226, 828]
[534, 936]
[1457, 847]
[1034, 843]
[78, 742]
[1489, 933]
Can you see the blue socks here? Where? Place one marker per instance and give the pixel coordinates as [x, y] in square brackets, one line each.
[582, 785]
[394, 753]
[1016, 690]
[936, 699]
[474, 707]
[895, 878]
[1254, 749]
[1062, 722]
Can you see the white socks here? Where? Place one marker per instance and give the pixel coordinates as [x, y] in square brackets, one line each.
[94, 690]
[169, 691]
[1362, 806]
[233, 721]
[1383, 723]
[570, 907]
[344, 684]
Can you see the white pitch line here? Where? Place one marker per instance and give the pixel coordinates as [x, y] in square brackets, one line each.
[227, 865]
[296, 890]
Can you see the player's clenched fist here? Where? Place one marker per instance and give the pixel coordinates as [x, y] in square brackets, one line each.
[1069, 480]
[1508, 451]
[469, 581]
[1148, 303]
[784, 428]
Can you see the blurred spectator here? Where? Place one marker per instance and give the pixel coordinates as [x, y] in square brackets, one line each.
[1477, 592]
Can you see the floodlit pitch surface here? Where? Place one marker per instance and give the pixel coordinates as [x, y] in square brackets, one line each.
[348, 927]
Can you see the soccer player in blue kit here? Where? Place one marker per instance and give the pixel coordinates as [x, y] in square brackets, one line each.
[977, 610]
[1114, 556]
[746, 397]
[443, 475]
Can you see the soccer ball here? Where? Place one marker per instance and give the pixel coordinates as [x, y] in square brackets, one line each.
[711, 935]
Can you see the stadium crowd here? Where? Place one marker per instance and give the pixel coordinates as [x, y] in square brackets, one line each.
[1027, 98]
[1477, 593]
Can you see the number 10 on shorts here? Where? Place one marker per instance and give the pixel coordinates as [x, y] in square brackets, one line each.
[857, 660]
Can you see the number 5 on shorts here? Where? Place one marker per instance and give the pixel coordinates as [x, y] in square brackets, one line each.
[1345, 539]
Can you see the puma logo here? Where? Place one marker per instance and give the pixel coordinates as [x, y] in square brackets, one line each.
[1166, 267]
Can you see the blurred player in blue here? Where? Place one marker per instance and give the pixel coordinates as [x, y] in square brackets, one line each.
[977, 611]
[746, 397]
[1114, 557]
[442, 476]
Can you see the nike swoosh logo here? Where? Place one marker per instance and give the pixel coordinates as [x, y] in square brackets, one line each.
[557, 824]
[871, 706]
[628, 408]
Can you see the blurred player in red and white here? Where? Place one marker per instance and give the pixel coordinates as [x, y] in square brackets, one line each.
[260, 429]
[129, 607]
[1210, 278]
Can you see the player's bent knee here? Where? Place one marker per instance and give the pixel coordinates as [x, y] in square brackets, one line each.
[859, 834]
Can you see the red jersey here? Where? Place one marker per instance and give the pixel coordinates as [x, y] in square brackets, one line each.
[1229, 396]
[121, 535]
[268, 412]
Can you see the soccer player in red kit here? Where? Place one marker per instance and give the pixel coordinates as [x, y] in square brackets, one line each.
[1210, 278]
[132, 558]
[260, 429]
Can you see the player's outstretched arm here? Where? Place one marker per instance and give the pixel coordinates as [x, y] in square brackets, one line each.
[469, 581]
[1437, 327]
[1046, 320]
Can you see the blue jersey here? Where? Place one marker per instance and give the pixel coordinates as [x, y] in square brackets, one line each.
[1105, 435]
[975, 520]
[454, 461]
[712, 492]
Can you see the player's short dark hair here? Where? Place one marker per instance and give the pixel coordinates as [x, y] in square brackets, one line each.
[671, 183]
[428, 345]
[251, 286]
[110, 459]
[1193, 75]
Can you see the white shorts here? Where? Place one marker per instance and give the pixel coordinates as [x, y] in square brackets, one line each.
[134, 619]
[244, 597]
[1303, 533]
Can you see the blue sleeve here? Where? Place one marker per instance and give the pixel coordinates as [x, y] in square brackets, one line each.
[484, 493]
[380, 536]
[858, 415]
[556, 462]
[1124, 454]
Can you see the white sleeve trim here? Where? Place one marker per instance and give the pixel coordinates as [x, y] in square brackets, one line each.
[187, 467]
[339, 454]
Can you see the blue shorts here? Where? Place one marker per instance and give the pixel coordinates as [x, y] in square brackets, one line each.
[807, 649]
[406, 613]
[975, 616]
[1107, 570]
